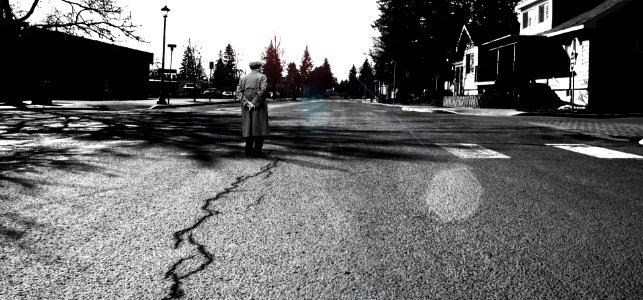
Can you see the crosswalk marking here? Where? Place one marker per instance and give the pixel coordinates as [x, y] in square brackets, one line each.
[595, 151]
[464, 150]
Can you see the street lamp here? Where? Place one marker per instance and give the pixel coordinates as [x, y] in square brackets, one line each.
[394, 92]
[164, 11]
[171, 46]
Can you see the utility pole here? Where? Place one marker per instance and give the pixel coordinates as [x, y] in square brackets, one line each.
[394, 92]
[210, 82]
[164, 12]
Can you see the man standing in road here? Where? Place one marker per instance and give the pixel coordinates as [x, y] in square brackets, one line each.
[254, 109]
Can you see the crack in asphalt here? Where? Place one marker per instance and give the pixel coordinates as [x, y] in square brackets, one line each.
[256, 203]
[180, 236]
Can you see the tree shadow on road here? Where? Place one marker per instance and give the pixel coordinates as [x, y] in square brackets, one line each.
[34, 143]
[203, 137]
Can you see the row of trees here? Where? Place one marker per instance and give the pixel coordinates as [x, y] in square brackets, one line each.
[417, 37]
[225, 75]
[307, 80]
[304, 80]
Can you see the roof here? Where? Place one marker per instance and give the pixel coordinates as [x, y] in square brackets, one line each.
[525, 3]
[512, 39]
[587, 19]
[72, 41]
[477, 34]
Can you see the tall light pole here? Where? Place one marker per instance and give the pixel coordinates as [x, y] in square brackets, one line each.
[171, 46]
[211, 67]
[164, 11]
[394, 92]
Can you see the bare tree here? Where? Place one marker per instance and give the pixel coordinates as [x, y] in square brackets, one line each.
[99, 18]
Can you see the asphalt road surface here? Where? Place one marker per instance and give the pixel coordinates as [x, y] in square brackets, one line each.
[353, 201]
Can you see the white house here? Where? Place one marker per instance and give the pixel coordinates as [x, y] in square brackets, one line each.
[589, 52]
[465, 64]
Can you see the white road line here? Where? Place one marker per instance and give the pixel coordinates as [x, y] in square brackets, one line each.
[595, 151]
[464, 150]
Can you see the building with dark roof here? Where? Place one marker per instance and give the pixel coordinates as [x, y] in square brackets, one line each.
[56, 65]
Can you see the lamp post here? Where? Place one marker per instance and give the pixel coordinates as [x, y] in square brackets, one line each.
[394, 92]
[171, 46]
[211, 65]
[376, 89]
[164, 11]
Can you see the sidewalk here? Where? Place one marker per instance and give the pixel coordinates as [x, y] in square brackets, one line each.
[118, 105]
[618, 127]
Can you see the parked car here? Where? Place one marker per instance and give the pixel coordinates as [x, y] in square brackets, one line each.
[212, 92]
[227, 94]
[190, 90]
[271, 95]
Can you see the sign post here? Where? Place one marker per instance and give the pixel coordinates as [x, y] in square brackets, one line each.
[210, 82]
[572, 64]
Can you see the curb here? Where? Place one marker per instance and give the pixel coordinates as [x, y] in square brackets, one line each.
[161, 106]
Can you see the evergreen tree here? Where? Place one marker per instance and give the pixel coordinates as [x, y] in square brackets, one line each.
[353, 89]
[272, 67]
[305, 69]
[191, 64]
[367, 79]
[218, 75]
[230, 74]
[325, 76]
[293, 79]
[342, 88]
[321, 80]
[293, 74]
[306, 66]
[496, 18]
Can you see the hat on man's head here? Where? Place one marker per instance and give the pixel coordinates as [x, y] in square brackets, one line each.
[255, 65]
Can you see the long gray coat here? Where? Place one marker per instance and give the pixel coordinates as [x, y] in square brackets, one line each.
[251, 89]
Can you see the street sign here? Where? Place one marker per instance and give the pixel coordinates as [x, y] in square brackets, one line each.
[166, 71]
[572, 60]
[573, 54]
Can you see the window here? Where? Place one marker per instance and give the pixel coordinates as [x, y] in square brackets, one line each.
[525, 19]
[470, 63]
[543, 13]
[546, 11]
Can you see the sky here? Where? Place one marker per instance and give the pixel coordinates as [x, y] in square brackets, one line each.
[339, 30]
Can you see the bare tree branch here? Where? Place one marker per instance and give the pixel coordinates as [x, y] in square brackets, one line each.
[100, 18]
[30, 12]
